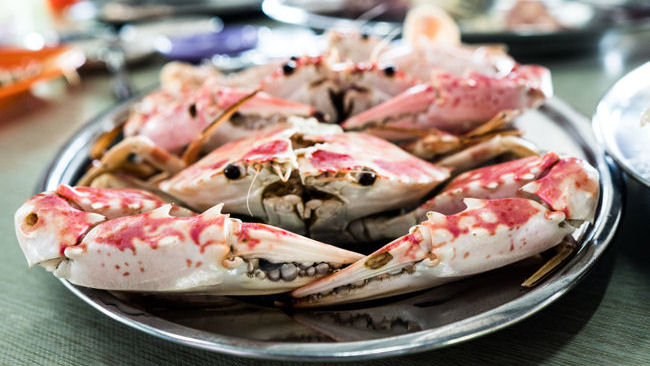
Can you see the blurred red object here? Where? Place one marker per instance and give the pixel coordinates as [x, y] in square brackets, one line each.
[21, 68]
[58, 6]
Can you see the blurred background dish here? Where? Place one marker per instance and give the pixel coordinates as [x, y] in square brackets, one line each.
[21, 68]
[526, 26]
[619, 123]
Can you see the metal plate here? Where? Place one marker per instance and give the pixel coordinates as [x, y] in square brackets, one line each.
[426, 320]
[617, 123]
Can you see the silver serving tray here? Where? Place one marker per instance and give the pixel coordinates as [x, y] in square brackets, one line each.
[617, 123]
[439, 317]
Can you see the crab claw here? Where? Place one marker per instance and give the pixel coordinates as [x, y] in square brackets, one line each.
[488, 234]
[571, 186]
[50, 222]
[164, 249]
[458, 104]
[47, 224]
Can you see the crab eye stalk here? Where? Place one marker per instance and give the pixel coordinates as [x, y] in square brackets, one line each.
[367, 178]
[232, 172]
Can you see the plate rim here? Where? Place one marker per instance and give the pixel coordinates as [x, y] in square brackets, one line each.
[599, 122]
[597, 238]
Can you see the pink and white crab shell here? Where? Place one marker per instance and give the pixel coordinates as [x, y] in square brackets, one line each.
[484, 219]
[130, 240]
[172, 121]
[309, 178]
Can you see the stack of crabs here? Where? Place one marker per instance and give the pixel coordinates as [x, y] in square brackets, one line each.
[371, 142]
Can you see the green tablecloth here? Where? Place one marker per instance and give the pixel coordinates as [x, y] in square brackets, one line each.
[604, 320]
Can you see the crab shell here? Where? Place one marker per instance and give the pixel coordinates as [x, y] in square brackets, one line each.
[522, 208]
[172, 121]
[458, 104]
[150, 245]
[307, 178]
[338, 89]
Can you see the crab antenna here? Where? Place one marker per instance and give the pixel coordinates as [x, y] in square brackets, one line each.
[191, 154]
[248, 194]
[564, 250]
[374, 55]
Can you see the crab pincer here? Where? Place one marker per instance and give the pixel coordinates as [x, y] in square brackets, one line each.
[519, 209]
[130, 240]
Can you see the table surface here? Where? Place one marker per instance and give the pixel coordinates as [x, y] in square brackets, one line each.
[603, 320]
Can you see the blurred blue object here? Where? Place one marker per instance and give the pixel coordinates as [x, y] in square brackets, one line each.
[230, 41]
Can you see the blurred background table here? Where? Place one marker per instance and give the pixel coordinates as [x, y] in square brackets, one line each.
[604, 320]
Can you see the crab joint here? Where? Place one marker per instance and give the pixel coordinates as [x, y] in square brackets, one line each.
[31, 219]
[378, 260]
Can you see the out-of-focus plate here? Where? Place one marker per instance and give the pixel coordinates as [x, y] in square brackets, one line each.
[617, 123]
[581, 24]
[253, 327]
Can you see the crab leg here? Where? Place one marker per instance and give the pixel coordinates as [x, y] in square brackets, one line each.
[488, 234]
[92, 238]
[119, 156]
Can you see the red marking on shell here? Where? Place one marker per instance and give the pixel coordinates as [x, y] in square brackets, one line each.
[244, 233]
[125, 274]
[117, 266]
[509, 212]
[200, 224]
[466, 255]
[217, 166]
[267, 151]
[103, 264]
[55, 213]
[495, 173]
[99, 199]
[189, 262]
[411, 168]
[412, 240]
[124, 230]
[566, 177]
[198, 264]
[330, 161]
[126, 264]
[141, 269]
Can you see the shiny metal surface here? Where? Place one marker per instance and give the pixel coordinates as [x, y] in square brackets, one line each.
[435, 318]
[617, 123]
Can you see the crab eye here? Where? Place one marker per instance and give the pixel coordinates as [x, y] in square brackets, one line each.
[192, 110]
[232, 171]
[367, 178]
[289, 67]
[389, 71]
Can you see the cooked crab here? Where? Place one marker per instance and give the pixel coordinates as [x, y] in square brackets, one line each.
[310, 178]
[484, 219]
[134, 241]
